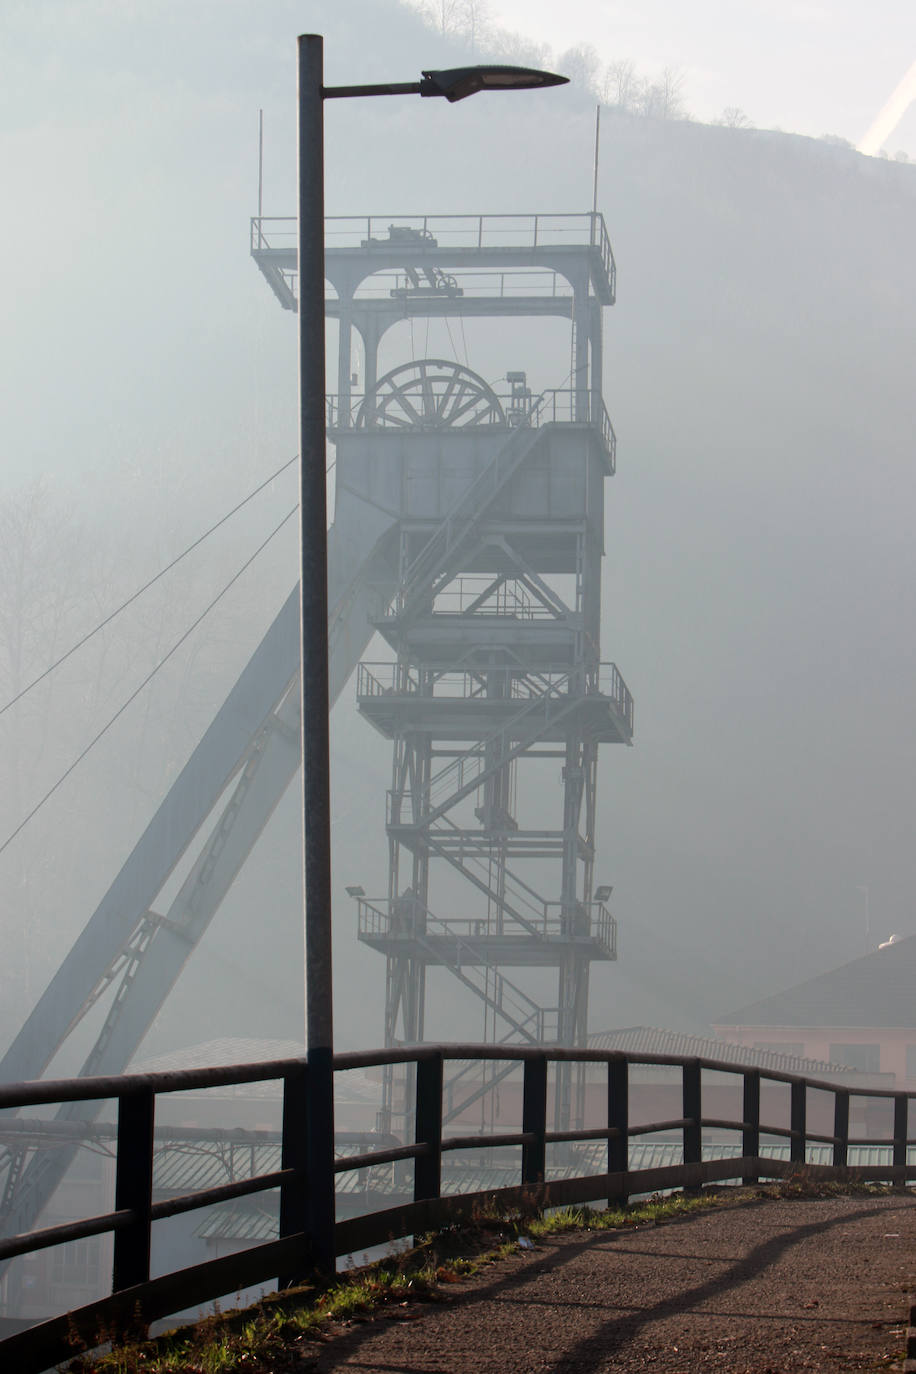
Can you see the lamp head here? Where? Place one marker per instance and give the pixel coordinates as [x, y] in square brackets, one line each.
[458, 82]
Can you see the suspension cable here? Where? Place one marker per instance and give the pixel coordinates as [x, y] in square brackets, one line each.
[149, 677]
[145, 588]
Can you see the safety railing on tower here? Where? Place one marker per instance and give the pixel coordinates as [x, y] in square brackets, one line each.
[380, 918]
[449, 237]
[467, 684]
[443, 231]
[554, 405]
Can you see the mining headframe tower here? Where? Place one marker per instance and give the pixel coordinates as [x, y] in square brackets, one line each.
[484, 511]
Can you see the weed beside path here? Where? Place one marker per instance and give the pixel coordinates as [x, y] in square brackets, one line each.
[760, 1281]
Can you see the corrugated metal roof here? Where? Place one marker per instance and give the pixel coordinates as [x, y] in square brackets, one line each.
[652, 1040]
[236, 1221]
[213, 1054]
[189, 1167]
[872, 992]
[251, 1220]
[352, 1087]
[192, 1165]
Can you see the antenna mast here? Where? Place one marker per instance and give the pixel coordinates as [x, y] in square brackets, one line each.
[261, 163]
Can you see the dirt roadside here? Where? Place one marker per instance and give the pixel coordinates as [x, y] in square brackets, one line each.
[773, 1287]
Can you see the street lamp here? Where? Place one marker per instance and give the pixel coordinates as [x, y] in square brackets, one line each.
[454, 84]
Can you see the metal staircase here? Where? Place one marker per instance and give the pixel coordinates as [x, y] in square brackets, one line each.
[439, 558]
[477, 697]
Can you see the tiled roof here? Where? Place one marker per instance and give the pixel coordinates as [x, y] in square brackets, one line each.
[651, 1040]
[872, 992]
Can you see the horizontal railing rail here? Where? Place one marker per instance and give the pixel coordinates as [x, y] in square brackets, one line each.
[509, 245]
[449, 231]
[554, 405]
[478, 684]
[138, 1298]
[384, 918]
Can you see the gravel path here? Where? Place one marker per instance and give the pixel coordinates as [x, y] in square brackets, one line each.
[770, 1287]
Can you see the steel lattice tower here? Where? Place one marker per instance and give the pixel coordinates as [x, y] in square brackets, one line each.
[495, 618]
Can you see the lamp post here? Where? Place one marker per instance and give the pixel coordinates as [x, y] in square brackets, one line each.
[454, 84]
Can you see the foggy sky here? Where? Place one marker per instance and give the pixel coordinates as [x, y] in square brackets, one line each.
[760, 570]
[807, 67]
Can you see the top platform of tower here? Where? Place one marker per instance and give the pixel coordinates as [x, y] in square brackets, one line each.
[447, 264]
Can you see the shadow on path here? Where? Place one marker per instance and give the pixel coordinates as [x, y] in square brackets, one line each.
[588, 1354]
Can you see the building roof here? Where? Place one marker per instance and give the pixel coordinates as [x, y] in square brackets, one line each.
[252, 1221]
[871, 992]
[227, 1050]
[652, 1040]
[353, 1087]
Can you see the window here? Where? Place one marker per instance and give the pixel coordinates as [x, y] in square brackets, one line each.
[865, 1058]
[76, 1262]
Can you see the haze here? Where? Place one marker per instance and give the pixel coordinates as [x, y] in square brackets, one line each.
[760, 566]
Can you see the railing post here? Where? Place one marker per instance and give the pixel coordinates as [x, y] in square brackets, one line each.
[840, 1127]
[134, 1188]
[534, 1119]
[750, 1134]
[901, 1130]
[618, 1120]
[693, 1112]
[427, 1175]
[294, 1155]
[797, 1124]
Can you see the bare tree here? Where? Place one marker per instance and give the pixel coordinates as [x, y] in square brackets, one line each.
[734, 118]
[444, 15]
[475, 20]
[621, 83]
[663, 99]
[670, 87]
[582, 65]
[449, 16]
[468, 19]
[515, 47]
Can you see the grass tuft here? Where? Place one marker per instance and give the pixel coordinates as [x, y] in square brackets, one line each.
[278, 1334]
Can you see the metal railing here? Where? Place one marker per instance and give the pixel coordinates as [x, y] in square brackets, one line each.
[431, 684]
[469, 684]
[439, 235]
[609, 683]
[432, 232]
[383, 918]
[137, 1297]
[553, 405]
[486, 595]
